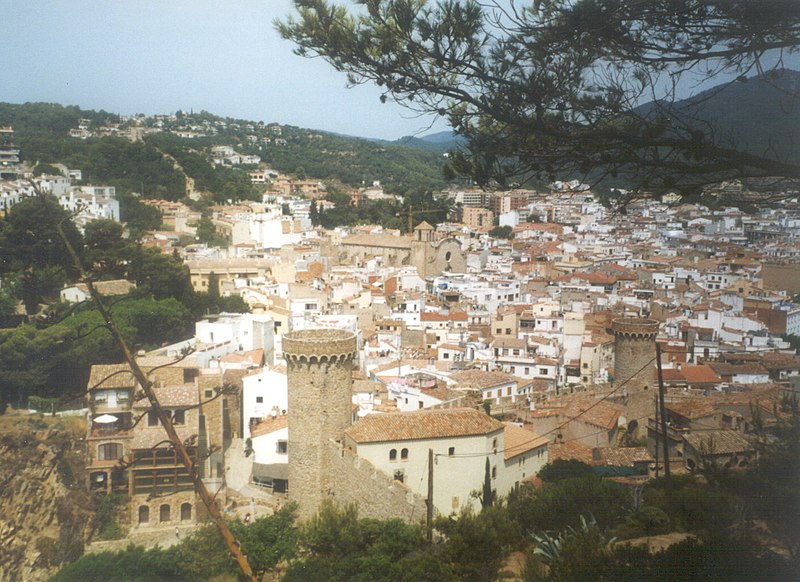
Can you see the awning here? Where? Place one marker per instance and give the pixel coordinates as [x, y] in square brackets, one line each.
[105, 419]
[271, 471]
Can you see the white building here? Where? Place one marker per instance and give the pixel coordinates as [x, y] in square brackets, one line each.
[461, 439]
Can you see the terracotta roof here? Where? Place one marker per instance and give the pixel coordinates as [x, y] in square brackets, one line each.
[718, 442]
[173, 395]
[568, 451]
[378, 240]
[123, 379]
[116, 287]
[270, 425]
[623, 456]
[520, 440]
[481, 379]
[423, 424]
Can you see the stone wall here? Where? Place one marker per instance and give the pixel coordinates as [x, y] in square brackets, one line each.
[174, 501]
[377, 495]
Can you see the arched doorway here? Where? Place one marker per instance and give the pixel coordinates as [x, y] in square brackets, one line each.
[164, 513]
[186, 512]
[144, 514]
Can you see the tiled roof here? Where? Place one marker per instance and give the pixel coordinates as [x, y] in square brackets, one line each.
[718, 442]
[270, 425]
[423, 424]
[123, 379]
[519, 440]
[481, 378]
[173, 395]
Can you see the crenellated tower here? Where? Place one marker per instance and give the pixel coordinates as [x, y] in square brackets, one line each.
[634, 362]
[320, 364]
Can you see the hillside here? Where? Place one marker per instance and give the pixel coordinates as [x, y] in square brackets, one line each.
[42, 132]
[760, 115]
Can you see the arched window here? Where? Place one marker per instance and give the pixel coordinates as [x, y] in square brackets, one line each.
[186, 512]
[163, 513]
[393, 455]
[144, 514]
[404, 455]
[109, 452]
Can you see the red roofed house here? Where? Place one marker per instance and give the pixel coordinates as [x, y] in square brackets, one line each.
[462, 439]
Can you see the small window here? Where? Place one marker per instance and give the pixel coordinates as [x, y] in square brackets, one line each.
[393, 455]
[282, 447]
[451, 451]
[152, 418]
[400, 475]
[178, 417]
[494, 472]
[404, 455]
[209, 393]
[259, 399]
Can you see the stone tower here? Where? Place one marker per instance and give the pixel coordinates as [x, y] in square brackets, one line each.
[319, 363]
[634, 362]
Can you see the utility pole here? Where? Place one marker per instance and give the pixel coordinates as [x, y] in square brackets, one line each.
[657, 444]
[430, 496]
[663, 415]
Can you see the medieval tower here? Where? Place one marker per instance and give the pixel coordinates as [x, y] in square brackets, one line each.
[319, 363]
[634, 361]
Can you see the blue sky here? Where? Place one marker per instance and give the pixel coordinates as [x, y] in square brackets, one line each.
[148, 56]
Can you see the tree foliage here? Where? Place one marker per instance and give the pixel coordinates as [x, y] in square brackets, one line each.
[558, 88]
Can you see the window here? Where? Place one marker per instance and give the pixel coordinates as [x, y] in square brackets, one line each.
[189, 374]
[451, 451]
[498, 331]
[508, 391]
[259, 399]
[400, 475]
[186, 511]
[494, 472]
[393, 455]
[404, 455]
[585, 365]
[282, 447]
[152, 418]
[178, 417]
[209, 393]
[446, 356]
[494, 444]
[163, 513]
[527, 371]
[109, 452]
[543, 371]
[144, 514]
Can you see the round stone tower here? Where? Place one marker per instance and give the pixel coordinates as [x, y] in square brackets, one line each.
[319, 363]
[634, 362]
[634, 351]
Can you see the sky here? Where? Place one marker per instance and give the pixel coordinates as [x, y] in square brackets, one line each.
[149, 56]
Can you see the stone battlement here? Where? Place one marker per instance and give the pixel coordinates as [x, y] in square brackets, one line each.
[635, 327]
[312, 345]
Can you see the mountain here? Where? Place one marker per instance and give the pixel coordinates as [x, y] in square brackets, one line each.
[760, 114]
[439, 142]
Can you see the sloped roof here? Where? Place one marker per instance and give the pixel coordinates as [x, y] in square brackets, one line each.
[718, 442]
[481, 378]
[519, 440]
[423, 424]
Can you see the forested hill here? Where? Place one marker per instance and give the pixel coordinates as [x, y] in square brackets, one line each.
[42, 132]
